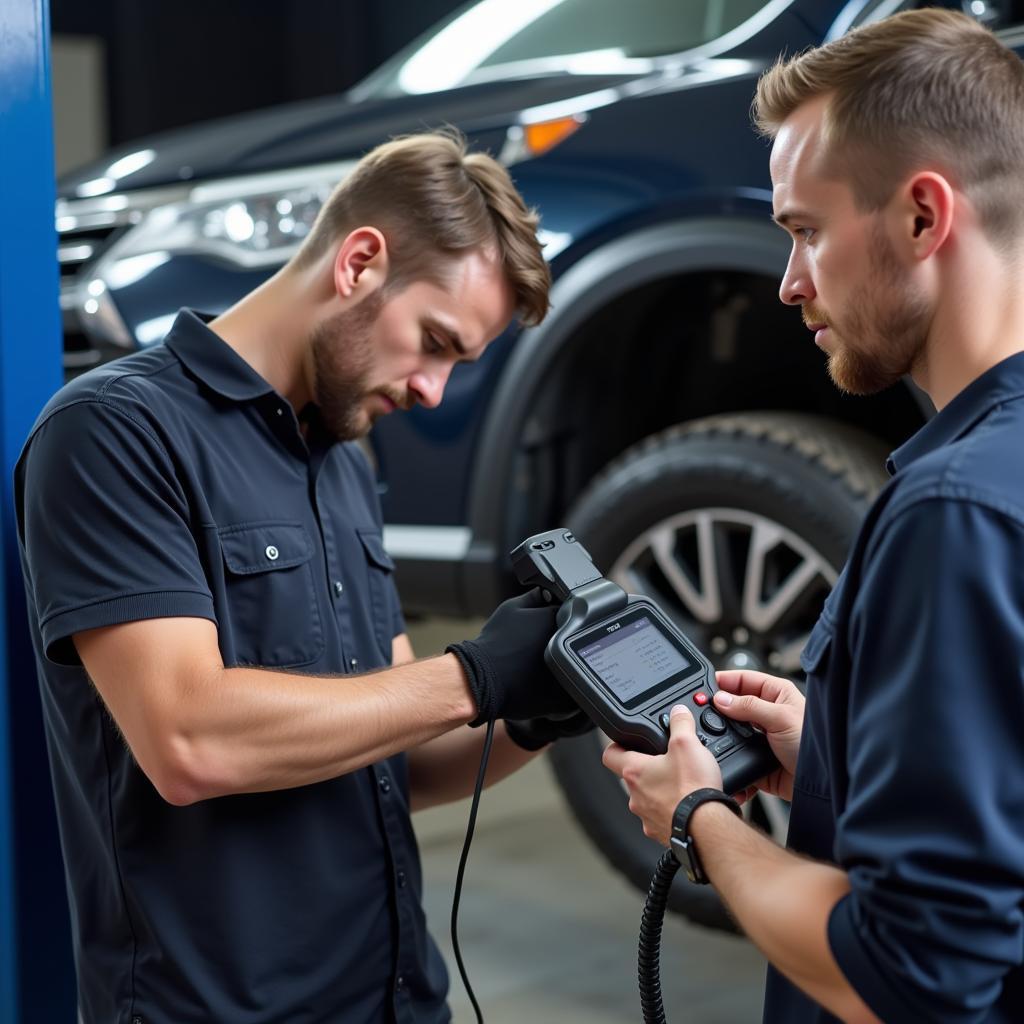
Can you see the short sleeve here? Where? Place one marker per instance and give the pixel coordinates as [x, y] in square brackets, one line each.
[104, 527]
[932, 837]
[395, 611]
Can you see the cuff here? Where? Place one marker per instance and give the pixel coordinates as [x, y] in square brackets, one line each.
[856, 954]
[58, 630]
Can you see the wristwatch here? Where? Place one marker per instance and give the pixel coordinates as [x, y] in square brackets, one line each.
[682, 842]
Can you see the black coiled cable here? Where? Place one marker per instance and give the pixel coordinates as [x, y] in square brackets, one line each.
[649, 956]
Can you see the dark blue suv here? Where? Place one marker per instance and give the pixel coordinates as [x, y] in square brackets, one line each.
[670, 409]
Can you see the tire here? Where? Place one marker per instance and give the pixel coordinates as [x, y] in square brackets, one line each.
[771, 503]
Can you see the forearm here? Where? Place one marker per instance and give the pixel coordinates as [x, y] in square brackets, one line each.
[244, 730]
[445, 769]
[782, 902]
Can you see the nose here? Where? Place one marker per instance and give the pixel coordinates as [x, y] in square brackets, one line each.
[427, 387]
[796, 288]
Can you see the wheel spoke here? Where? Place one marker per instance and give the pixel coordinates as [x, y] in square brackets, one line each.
[759, 614]
[705, 604]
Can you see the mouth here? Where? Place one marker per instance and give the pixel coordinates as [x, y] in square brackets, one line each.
[819, 332]
[388, 403]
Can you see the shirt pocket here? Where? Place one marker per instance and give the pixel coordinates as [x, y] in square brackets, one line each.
[271, 598]
[379, 570]
[814, 658]
[812, 771]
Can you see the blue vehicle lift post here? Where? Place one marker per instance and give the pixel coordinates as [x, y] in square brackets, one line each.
[36, 971]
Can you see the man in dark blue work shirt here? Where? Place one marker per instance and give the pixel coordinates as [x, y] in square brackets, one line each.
[898, 170]
[214, 619]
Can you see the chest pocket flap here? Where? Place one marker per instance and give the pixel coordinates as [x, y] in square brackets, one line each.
[379, 567]
[373, 545]
[262, 547]
[814, 658]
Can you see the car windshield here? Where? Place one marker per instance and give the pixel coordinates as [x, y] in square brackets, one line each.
[494, 39]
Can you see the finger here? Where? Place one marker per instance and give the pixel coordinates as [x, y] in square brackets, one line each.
[682, 729]
[681, 722]
[755, 684]
[770, 716]
[613, 758]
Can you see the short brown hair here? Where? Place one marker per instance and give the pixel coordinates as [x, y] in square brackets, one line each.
[923, 88]
[431, 198]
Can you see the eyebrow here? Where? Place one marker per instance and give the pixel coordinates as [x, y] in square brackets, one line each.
[451, 334]
[784, 218]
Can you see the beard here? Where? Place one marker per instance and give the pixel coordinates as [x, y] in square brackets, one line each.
[882, 334]
[343, 351]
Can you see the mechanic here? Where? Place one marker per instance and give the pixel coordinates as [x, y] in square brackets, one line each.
[214, 618]
[898, 170]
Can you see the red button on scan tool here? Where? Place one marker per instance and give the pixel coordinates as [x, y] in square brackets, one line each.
[700, 698]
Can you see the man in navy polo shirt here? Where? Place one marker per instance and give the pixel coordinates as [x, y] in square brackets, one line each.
[898, 170]
[228, 691]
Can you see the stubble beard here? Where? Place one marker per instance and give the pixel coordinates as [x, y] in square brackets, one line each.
[884, 330]
[342, 348]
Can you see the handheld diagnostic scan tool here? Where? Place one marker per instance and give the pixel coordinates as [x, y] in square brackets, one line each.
[626, 664]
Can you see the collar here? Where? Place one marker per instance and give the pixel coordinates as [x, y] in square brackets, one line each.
[1001, 383]
[212, 360]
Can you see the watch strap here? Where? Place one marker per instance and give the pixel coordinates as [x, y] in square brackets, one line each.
[682, 842]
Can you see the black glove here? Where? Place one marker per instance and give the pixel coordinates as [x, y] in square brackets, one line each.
[534, 733]
[505, 663]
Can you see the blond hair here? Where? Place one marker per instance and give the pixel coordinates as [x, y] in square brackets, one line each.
[434, 202]
[928, 88]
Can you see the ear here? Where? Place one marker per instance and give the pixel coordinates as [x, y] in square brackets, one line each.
[361, 263]
[926, 214]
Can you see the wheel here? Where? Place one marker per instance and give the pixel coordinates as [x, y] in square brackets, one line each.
[737, 526]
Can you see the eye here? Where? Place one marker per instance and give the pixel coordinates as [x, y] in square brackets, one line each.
[432, 345]
[805, 234]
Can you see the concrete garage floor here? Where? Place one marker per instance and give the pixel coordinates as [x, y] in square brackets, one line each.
[548, 930]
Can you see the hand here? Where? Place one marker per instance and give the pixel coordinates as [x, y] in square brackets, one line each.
[656, 783]
[505, 666]
[534, 733]
[777, 707]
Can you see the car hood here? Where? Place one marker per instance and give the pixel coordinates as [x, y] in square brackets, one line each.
[315, 131]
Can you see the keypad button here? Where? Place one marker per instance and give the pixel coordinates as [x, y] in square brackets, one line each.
[719, 747]
[700, 698]
[712, 722]
[664, 719]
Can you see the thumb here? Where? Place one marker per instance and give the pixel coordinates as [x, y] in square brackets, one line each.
[681, 721]
[748, 708]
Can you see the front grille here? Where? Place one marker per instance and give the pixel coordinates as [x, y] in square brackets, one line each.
[86, 228]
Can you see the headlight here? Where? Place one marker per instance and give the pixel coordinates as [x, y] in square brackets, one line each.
[255, 221]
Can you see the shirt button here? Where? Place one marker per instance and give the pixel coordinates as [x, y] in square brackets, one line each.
[339, 588]
[399, 983]
[279, 411]
[385, 784]
[354, 662]
[272, 552]
[400, 878]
